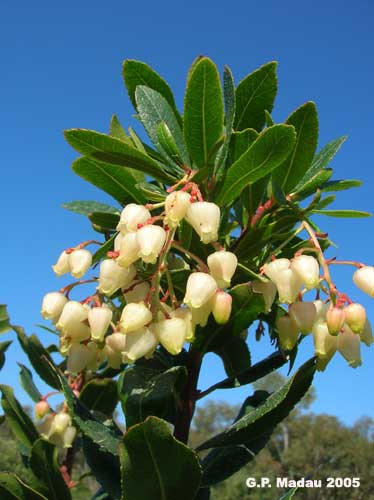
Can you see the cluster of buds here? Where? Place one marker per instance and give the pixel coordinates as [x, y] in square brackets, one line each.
[55, 427]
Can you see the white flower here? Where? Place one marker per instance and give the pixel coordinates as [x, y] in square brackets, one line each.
[186, 315]
[366, 335]
[151, 239]
[136, 292]
[288, 285]
[117, 341]
[287, 332]
[69, 436]
[171, 333]
[322, 309]
[99, 319]
[200, 315]
[117, 242]
[78, 358]
[112, 276]
[349, 347]
[139, 344]
[113, 357]
[273, 268]
[134, 316]
[62, 265]
[268, 291]
[363, 278]
[221, 309]
[52, 305]
[200, 288]
[80, 261]
[131, 216]
[307, 268]
[325, 345]
[71, 322]
[355, 317]
[303, 315]
[204, 217]
[60, 423]
[128, 250]
[176, 205]
[222, 266]
[335, 318]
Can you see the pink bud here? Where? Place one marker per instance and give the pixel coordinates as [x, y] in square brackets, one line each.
[41, 409]
[355, 317]
[222, 303]
[335, 318]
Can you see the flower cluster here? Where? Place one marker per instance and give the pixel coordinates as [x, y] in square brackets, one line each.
[56, 427]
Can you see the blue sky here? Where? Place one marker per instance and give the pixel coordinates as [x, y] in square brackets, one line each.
[61, 68]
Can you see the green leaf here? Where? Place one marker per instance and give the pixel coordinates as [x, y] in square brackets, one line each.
[116, 130]
[268, 119]
[305, 121]
[153, 110]
[100, 395]
[155, 465]
[203, 111]
[88, 207]
[152, 192]
[105, 247]
[266, 416]
[12, 487]
[3, 347]
[255, 94]
[144, 392]
[266, 153]
[27, 382]
[240, 143]
[39, 357]
[168, 144]
[44, 465]
[4, 319]
[314, 183]
[18, 420]
[343, 213]
[289, 495]
[235, 355]
[104, 220]
[340, 185]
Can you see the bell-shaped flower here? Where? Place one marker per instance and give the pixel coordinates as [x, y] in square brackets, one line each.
[52, 305]
[80, 261]
[129, 250]
[95, 356]
[171, 333]
[221, 309]
[268, 290]
[99, 319]
[41, 409]
[303, 315]
[78, 358]
[349, 347]
[287, 332]
[61, 422]
[307, 268]
[72, 321]
[222, 266]
[325, 345]
[176, 205]
[114, 358]
[112, 276]
[131, 216]
[200, 288]
[288, 285]
[200, 315]
[117, 242]
[116, 341]
[62, 265]
[335, 318]
[151, 239]
[44, 427]
[134, 316]
[366, 335]
[363, 278]
[69, 436]
[136, 291]
[355, 317]
[321, 309]
[185, 314]
[139, 344]
[273, 268]
[204, 217]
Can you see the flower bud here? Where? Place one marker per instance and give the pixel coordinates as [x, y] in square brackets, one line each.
[116, 341]
[129, 250]
[200, 288]
[151, 239]
[288, 285]
[131, 216]
[204, 217]
[222, 303]
[71, 321]
[349, 347]
[80, 261]
[222, 266]
[136, 292]
[366, 335]
[99, 319]
[69, 436]
[60, 423]
[303, 315]
[41, 409]
[325, 345]
[134, 316]
[335, 318]
[287, 332]
[171, 333]
[273, 268]
[268, 290]
[139, 344]
[186, 315]
[307, 268]
[78, 358]
[176, 205]
[201, 314]
[355, 317]
[112, 276]
[52, 305]
[62, 265]
[363, 278]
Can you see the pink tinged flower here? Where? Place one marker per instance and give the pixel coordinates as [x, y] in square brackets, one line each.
[366, 335]
[41, 409]
[222, 266]
[151, 239]
[176, 206]
[287, 332]
[303, 315]
[134, 316]
[355, 317]
[222, 304]
[349, 347]
[288, 285]
[72, 322]
[268, 291]
[52, 305]
[363, 278]
[307, 268]
[80, 261]
[132, 216]
[129, 250]
[200, 288]
[62, 265]
[171, 333]
[112, 276]
[273, 268]
[204, 217]
[99, 319]
[139, 344]
[335, 318]
[137, 292]
[325, 345]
